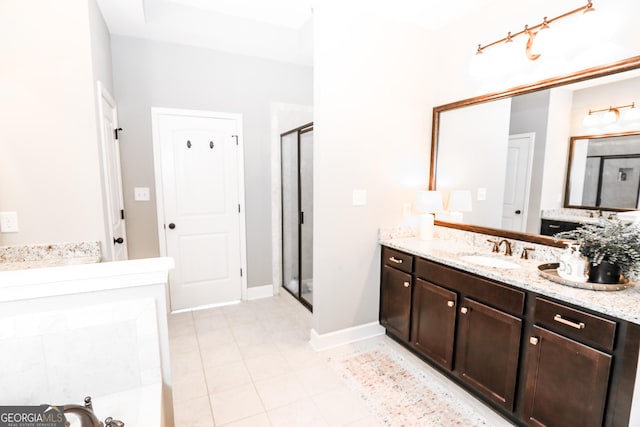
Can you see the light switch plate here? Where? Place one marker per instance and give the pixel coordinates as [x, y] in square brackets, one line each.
[8, 222]
[482, 193]
[359, 197]
[141, 194]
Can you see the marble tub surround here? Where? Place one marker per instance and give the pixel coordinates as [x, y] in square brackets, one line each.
[624, 304]
[48, 255]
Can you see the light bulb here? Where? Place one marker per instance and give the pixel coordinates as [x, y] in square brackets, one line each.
[610, 116]
[590, 120]
[632, 114]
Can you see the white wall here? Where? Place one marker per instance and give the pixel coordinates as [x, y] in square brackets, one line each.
[376, 83]
[372, 115]
[49, 165]
[156, 74]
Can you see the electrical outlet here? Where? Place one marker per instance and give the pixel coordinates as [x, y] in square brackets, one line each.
[8, 222]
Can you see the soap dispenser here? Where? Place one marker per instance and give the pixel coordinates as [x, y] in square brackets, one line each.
[579, 265]
[564, 267]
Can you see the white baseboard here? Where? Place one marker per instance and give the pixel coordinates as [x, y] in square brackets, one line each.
[258, 292]
[345, 336]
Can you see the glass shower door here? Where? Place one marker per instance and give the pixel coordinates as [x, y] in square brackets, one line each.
[297, 213]
[290, 214]
[306, 210]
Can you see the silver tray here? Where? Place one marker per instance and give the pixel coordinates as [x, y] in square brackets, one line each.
[550, 272]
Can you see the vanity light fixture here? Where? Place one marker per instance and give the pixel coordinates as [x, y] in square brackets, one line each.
[532, 32]
[607, 116]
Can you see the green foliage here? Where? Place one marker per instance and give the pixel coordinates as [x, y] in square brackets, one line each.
[615, 241]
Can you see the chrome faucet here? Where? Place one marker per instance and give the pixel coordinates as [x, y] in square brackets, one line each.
[507, 247]
[85, 414]
[88, 417]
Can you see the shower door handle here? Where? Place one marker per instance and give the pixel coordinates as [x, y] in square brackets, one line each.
[301, 217]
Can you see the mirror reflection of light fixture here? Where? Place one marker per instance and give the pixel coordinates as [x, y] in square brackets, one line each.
[607, 116]
[427, 203]
[459, 202]
[532, 32]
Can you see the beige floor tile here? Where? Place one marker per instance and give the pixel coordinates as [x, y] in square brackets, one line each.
[222, 354]
[319, 379]
[235, 404]
[224, 377]
[268, 366]
[183, 363]
[260, 420]
[340, 406]
[193, 413]
[210, 322]
[280, 391]
[215, 337]
[189, 386]
[369, 421]
[303, 413]
[183, 343]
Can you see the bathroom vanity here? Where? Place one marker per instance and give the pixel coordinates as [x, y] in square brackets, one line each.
[538, 352]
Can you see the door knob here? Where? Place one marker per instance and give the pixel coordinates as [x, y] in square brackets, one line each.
[172, 226]
[119, 240]
[518, 212]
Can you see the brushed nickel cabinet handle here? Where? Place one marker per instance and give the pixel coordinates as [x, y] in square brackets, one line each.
[406, 284]
[533, 340]
[558, 318]
[464, 310]
[450, 303]
[553, 226]
[396, 260]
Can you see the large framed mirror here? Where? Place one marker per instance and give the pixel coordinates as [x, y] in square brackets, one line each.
[604, 172]
[511, 150]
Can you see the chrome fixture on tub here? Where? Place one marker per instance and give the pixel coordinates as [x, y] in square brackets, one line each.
[88, 417]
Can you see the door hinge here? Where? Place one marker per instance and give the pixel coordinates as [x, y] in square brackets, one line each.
[238, 207]
[240, 272]
[121, 213]
[236, 137]
[115, 132]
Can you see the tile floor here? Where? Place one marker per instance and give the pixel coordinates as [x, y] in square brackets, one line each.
[251, 365]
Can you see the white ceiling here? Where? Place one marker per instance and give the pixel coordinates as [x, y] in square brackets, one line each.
[275, 29]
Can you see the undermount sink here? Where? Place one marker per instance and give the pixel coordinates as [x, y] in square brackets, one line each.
[485, 260]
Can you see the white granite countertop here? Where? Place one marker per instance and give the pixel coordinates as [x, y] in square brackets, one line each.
[23, 265]
[624, 304]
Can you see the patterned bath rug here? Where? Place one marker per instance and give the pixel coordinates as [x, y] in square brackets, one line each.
[399, 393]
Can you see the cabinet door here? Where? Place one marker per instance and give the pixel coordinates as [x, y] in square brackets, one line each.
[566, 382]
[433, 322]
[395, 302]
[488, 348]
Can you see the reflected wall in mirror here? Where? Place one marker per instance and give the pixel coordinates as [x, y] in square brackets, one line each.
[604, 172]
[511, 149]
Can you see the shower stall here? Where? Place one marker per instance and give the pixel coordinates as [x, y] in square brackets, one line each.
[297, 213]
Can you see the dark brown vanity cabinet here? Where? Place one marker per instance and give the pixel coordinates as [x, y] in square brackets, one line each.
[537, 361]
[549, 227]
[567, 379]
[434, 322]
[488, 345]
[395, 292]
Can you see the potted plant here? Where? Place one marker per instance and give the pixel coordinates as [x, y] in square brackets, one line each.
[612, 247]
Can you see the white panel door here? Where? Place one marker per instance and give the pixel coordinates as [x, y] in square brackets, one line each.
[199, 161]
[517, 182]
[117, 231]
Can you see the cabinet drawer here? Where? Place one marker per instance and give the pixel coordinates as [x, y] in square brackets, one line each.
[483, 290]
[576, 324]
[549, 227]
[396, 259]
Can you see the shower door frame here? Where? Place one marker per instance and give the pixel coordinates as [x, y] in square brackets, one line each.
[300, 131]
